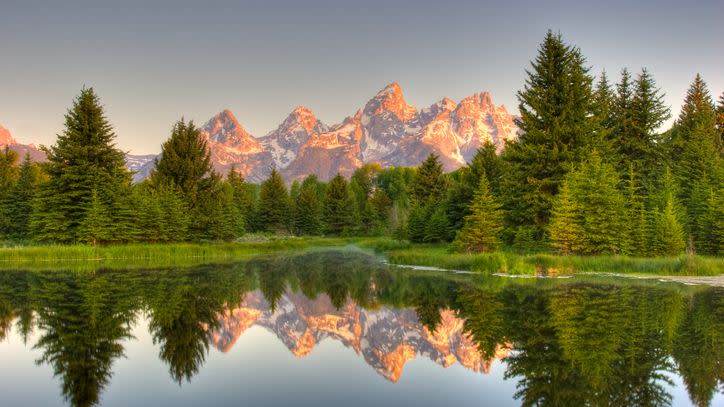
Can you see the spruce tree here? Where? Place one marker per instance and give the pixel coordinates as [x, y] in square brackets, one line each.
[381, 206]
[83, 164]
[640, 144]
[565, 229]
[481, 231]
[94, 228]
[8, 180]
[604, 104]
[557, 125]
[711, 223]
[362, 185]
[696, 160]
[429, 184]
[591, 216]
[720, 123]
[416, 224]
[185, 165]
[21, 203]
[243, 196]
[274, 206]
[637, 216]
[463, 186]
[308, 214]
[668, 234]
[338, 206]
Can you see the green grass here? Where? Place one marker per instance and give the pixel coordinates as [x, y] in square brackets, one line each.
[514, 263]
[140, 256]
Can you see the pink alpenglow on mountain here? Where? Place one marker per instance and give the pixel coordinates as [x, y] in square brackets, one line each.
[231, 145]
[7, 141]
[387, 130]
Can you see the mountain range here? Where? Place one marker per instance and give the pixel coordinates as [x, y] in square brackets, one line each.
[387, 130]
[385, 338]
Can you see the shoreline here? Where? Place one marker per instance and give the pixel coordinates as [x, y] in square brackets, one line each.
[433, 257]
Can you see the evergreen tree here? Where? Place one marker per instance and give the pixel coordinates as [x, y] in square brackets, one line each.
[637, 140]
[711, 224]
[668, 218]
[308, 214]
[565, 227]
[243, 196]
[637, 216]
[463, 186]
[8, 180]
[668, 234]
[274, 204]
[557, 124]
[695, 157]
[225, 219]
[720, 123]
[362, 185]
[94, 228]
[338, 206]
[429, 184]
[604, 104]
[380, 207]
[416, 224]
[436, 224]
[185, 165]
[82, 164]
[481, 232]
[590, 217]
[21, 203]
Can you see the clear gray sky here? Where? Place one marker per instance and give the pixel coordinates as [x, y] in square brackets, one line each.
[155, 61]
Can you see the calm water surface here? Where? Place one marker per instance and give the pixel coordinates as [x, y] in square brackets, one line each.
[339, 327]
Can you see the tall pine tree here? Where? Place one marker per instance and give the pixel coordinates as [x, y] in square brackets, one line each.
[696, 161]
[640, 114]
[185, 166]
[557, 125]
[85, 172]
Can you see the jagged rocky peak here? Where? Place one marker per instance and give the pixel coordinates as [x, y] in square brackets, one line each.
[225, 129]
[479, 101]
[443, 105]
[303, 116]
[390, 99]
[6, 138]
[286, 140]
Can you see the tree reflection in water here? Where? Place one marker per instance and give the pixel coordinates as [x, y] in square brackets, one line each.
[602, 342]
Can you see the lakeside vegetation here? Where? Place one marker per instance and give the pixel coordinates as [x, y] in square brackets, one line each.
[590, 175]
[143, 256]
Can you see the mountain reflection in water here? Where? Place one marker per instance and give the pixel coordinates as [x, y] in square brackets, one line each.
[582, 341]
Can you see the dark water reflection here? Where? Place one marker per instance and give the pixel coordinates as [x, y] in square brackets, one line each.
[575, 342]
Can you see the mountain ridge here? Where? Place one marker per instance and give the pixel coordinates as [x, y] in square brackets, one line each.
[386, 130]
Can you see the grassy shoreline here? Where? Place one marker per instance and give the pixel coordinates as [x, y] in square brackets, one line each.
[134, 256]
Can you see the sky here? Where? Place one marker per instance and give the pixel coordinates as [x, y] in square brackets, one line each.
[153, 62]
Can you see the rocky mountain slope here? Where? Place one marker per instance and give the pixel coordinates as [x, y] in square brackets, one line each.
[6, 140]
[385, 338]
[387, 130]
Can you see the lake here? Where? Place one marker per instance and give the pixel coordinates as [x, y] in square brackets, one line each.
[342, 327]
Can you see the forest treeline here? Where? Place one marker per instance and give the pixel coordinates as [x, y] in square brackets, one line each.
[589, 174]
